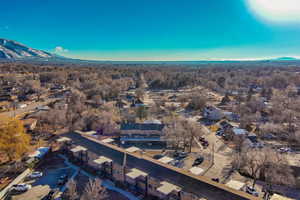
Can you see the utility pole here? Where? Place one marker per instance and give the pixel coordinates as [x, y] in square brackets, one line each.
[213, 153]
[124, 166]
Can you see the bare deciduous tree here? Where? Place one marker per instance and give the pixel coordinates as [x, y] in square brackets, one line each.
[94, 191]
[277, 171]
[174, 133]
[140, 93]
[180, 132]
[253, 162]
[197, 102]
[71, 193]
[55, 118]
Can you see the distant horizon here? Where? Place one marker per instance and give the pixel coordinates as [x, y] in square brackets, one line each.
[169, 30]
[278, 57]
[285, 58]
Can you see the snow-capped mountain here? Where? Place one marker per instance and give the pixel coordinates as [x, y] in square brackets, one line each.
[11, 50]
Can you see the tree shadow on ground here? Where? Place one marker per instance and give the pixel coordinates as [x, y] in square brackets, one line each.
[227, 172]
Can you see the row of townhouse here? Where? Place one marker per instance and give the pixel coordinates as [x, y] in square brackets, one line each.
[142, 174]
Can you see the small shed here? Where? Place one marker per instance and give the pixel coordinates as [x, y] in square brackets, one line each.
[78, 149]
[63, 139]
[165, 159]
[167, 188]
[135, 173]
[279, 197]
[196, 170]
[237, 185]
[101, 160]
[132, 149]
[90, 133]
[108, 140]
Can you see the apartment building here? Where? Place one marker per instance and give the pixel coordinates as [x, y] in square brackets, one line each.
[143, 174]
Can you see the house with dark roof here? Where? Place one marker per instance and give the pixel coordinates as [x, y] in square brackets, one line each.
[137, 102]
[212, 113]
[143, 174]
[6, 97]
[142, 133]
[120, 103]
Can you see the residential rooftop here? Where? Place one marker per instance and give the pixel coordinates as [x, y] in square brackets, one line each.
[142, 126]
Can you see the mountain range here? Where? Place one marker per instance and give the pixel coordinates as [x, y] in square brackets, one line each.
[13, 50]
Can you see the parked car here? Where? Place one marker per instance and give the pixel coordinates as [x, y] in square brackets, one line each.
[269, 136]
[21, 187]
[257, 145]
[252, 191]
[198, 161]
[220, 132]
[22, 105]
[35, 174]
[182, 155]
[179, 155]
[284, 150]
[175, 154]
[158, 156]
[216, 180]
[205, 144]
[49, 196]
[201, 139]
[62, 179]
[176, 163]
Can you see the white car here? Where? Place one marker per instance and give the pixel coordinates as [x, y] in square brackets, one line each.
[22, 105]
[36, 174]
[20, 187]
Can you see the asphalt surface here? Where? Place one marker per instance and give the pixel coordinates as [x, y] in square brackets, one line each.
[42, 186]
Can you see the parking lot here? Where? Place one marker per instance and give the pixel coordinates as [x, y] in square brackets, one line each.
[41, 186]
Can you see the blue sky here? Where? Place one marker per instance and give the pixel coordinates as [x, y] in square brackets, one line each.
[155, 29]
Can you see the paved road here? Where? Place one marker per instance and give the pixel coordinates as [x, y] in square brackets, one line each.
[30, 107]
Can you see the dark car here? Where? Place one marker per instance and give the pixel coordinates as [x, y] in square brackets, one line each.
[62, 179]
[201, 139]
[179, 155]
[220, 132]
[49, 195]
[158, 156]
[182, 155]
[175, 154]
[216, 180]
[198, 161]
